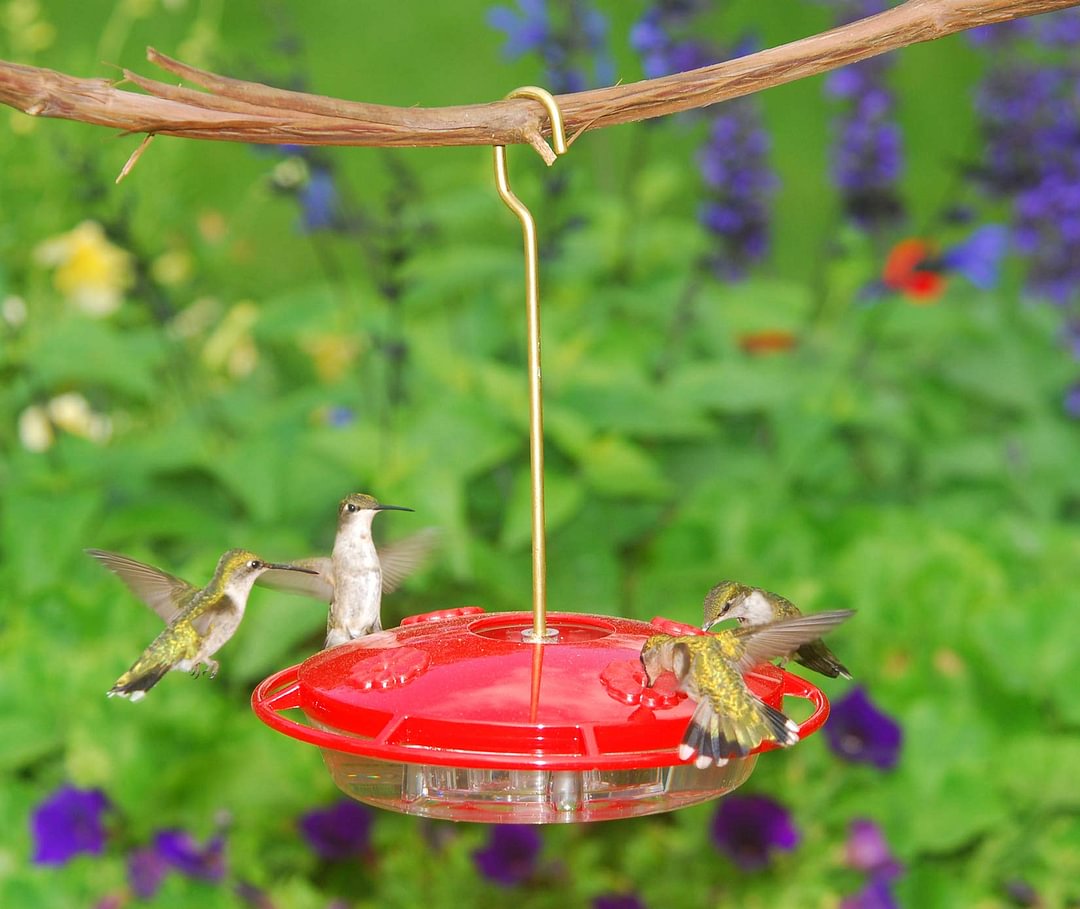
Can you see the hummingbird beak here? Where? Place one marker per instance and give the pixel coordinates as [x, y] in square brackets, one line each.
[393, 508]
[279, 567]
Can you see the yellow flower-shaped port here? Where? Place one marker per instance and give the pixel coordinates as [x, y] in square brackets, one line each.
[90, 272]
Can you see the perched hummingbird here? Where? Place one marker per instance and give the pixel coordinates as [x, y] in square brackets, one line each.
[352, 580]
[729, 719]
[199, 622]
[754, 606]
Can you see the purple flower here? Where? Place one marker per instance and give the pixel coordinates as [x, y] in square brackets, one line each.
[1070, 337]
[734, 163]
[748, 828]
[339, 832]
[859, 732]
[179, 850]
[146, 870]
[569, 45]
[318, 202]
[867, 154]
[1021, 893]
[67, 823]
[664, 37]
[510, 855]
[617, 901]
[866, 850]
[979, 257]
[1072, 401]
[526, 28]
[877, 894]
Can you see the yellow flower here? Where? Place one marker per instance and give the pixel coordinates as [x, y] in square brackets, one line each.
[332, 355]
[91, 272]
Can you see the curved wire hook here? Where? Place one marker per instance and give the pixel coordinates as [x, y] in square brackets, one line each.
[539, 633]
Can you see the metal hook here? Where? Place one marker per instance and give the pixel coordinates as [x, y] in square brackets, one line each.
[539, 633]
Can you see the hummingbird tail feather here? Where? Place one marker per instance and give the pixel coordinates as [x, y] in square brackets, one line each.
[134, 684]
[779, 728]
[713, 737]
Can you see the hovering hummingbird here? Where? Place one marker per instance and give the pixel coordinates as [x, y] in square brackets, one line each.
[729, 718]
[754, 606]
[355, 576]
[199, 622]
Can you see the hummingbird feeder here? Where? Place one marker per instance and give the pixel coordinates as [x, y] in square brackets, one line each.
[519, 717]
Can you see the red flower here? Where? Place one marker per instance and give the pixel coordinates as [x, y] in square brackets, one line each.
[912, 269]
[771, 340]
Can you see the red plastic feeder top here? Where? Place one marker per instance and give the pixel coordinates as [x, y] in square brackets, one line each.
[453, 715]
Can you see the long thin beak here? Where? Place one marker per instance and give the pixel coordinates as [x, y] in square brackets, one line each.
[280, 567]
[393, 508]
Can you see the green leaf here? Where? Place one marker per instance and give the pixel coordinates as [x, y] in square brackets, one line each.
[613, 465]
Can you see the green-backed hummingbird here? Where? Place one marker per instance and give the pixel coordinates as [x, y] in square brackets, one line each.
[754, 606]
[730, 720]
[199, 621]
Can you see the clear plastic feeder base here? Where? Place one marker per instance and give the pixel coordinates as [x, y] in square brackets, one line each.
[530, 796]
[454, 715]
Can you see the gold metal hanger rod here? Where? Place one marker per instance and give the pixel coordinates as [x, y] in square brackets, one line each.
[540, 632]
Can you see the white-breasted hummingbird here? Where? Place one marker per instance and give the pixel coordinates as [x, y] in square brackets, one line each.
[198, 621]
[754, 606]
[353, 578]
[730, 720]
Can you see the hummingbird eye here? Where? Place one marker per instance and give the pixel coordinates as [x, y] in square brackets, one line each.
[350, 507]
[254, 563]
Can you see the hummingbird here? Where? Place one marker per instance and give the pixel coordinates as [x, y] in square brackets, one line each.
[355, 576]
[198, 621]
[729, 718]
[754, 606]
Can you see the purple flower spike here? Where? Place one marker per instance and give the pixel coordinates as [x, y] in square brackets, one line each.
[979, 257]
[318, 202]
[146, 870]
[510, 855]
[180, 851]
[867, 850]
[877, 894]
[526, 28]
[1072, 401]
[67, 823]
[859, 732]
[339, 832]
[748, 828]
[618, 901]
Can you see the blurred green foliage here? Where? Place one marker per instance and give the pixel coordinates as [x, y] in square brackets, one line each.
[910, 462]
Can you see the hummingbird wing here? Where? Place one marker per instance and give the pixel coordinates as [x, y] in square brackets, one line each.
[319, 586]
[402, 557]
[776, 639]
[161, 591]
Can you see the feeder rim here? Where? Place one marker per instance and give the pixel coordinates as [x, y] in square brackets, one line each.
[281, 691]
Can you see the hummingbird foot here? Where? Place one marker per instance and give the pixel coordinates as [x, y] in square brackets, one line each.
[212, 667]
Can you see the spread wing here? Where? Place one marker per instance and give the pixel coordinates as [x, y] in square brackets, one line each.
[766, 642]
[320, 586]
[162, 592]
[402, 557]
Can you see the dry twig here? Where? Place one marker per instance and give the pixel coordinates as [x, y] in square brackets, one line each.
[236, 111]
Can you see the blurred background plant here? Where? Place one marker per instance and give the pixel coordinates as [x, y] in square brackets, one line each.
[823, 340]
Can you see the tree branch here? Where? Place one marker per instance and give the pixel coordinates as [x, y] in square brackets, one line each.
[236, 111]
